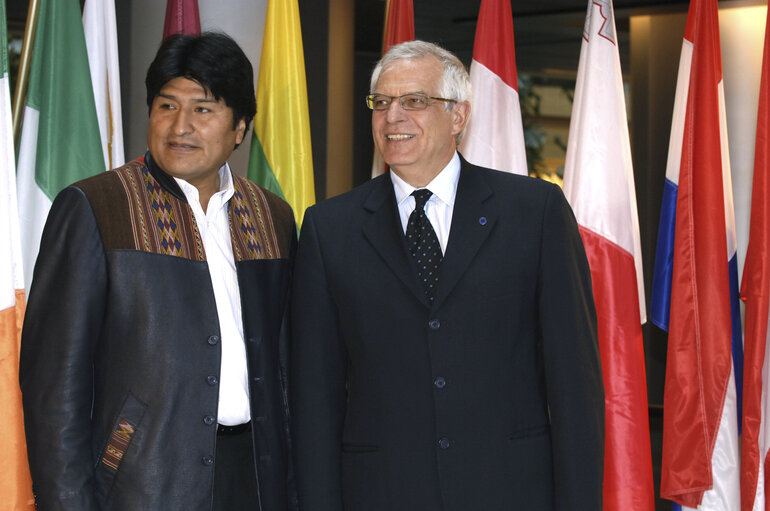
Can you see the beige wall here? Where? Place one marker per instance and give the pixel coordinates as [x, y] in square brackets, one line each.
[742, 32]
[339, 122]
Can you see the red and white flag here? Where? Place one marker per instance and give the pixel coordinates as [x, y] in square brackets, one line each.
[599, 184]
[755, 292]
[700, 462]
[494, 137]
[399, 28]
[182, 17]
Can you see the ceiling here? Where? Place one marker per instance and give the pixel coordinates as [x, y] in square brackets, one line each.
[547, 32]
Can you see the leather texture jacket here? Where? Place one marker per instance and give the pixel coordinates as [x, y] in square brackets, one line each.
[120, 357]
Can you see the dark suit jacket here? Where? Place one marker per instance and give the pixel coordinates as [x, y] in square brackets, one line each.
[491, 399]
[120, 352]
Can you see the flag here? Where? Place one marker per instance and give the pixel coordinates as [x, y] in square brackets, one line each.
[182, 17]
[599, 184]
[16, 483]
[102, 45]
[695, 286]
[60, 141]
[281, 158]
[494, 136]
[399, 27]
[399, 23]
[755, 292]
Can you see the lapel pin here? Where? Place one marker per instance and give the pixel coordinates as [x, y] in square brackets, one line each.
[483, 220]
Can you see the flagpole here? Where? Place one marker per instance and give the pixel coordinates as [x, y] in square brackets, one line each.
[385, 27]
[22, 78]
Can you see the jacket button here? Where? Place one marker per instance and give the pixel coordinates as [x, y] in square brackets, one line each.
[439, 382]
[434, 324]
[211, 379]
[443, 443]
[213, 340]
[207, 460]
[258, 379]
[209, 420]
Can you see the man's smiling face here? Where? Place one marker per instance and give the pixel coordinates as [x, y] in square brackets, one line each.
[191, 134]
[416, 143]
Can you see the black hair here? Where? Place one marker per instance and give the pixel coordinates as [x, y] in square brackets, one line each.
[214, 61]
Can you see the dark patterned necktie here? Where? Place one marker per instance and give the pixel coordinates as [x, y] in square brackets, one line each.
[423, 244]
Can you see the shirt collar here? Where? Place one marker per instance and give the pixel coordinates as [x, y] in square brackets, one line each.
[443, 186]
[226, 188]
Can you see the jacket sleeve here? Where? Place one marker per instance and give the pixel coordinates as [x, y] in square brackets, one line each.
[284, 363]
[575, 391]
[61, 327]
[317, 378]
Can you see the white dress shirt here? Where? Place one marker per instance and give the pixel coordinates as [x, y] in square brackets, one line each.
[214, 228]
[439, 207]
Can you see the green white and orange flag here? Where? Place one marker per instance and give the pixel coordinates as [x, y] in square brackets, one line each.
[60, 141]
[281, 158]
[102, 44]
[15, 484]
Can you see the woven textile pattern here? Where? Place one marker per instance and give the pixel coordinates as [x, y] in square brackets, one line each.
[164, 224]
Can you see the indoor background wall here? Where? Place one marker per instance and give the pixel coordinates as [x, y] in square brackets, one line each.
[342, 41]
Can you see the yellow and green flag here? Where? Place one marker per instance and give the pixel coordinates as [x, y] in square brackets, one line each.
[281, 158]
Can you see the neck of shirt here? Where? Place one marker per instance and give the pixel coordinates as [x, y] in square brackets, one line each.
[439, 207]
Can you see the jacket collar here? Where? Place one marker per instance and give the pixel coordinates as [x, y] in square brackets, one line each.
[163, 179]
[383, 230]
[473, 219]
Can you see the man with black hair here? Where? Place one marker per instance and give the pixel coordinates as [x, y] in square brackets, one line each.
[153, 366]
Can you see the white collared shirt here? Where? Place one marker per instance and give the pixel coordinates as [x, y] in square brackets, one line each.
[439, 207]
[214, 228]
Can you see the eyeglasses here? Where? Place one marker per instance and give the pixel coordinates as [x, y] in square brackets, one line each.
[413, 101]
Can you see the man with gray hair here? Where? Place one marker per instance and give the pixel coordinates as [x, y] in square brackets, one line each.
[444, 347]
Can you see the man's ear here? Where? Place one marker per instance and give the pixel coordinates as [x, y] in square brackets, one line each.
[460, 114]
[240, 131]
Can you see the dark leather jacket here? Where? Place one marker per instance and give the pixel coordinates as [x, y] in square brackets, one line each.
[120, 356]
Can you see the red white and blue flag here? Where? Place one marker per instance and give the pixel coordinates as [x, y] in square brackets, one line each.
[755, 292]
[494, 137]
[599, 184]
[695, 285]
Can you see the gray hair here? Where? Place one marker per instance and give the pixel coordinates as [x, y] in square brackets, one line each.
[455, 82]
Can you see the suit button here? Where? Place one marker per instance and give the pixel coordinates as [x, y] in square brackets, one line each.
[207, 460]
[439, 382]
[443, 443]
[211, 380]
[213, 340]
[434, 324]
[209, 420]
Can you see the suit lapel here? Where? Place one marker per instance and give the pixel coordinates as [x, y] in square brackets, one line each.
[472, 220]
[383, 230]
